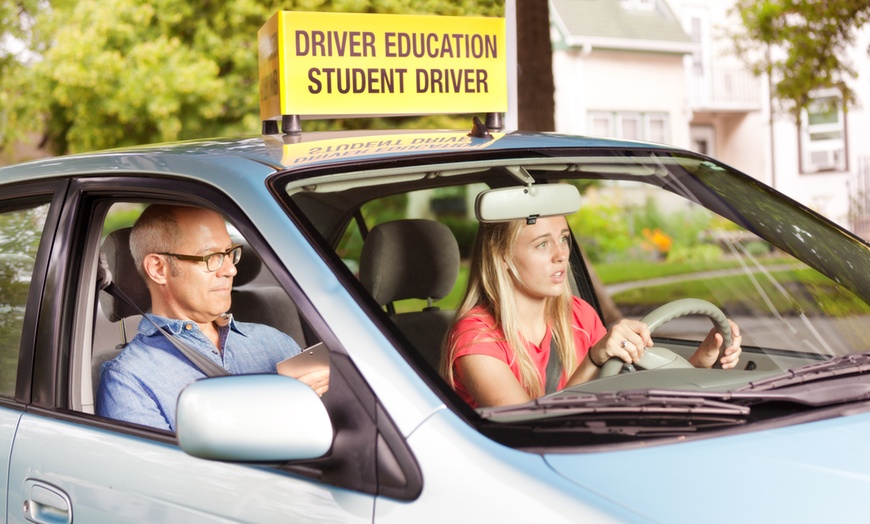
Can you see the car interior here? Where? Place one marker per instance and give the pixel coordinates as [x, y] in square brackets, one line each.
[256, 297]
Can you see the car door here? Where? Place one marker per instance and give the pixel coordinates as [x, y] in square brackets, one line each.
[27, 218]
[68, 464]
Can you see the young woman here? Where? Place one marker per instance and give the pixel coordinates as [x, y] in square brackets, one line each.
[519, 301]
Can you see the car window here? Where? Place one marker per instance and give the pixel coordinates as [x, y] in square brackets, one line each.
[20, 232]
[651, 246]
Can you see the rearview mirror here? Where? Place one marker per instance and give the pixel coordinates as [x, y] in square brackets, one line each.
[526, 202]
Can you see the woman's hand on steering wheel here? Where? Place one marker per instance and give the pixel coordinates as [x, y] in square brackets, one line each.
[626, 340]
[710, 349]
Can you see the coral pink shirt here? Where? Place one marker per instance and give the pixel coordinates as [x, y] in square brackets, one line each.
[478, 334]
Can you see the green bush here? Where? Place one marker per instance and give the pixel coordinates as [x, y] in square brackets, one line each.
[602, 232]
[697, 253]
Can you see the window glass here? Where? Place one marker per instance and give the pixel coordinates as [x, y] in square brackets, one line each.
[651, 127]
[601, 124]
[650, 247]
[630, 126]
[657, 128]
[20, 231]
[823, 130]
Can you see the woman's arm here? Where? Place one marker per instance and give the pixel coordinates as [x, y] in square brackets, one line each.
[489, 381]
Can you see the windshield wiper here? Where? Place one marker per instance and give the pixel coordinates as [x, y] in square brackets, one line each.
[797, 386]
[853, 364]
[630, 403]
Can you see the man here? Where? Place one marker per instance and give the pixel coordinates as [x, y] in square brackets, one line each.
[187, 259]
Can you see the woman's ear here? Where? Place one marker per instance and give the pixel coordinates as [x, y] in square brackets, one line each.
[156, 268]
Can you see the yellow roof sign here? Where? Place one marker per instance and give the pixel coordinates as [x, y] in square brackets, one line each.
[317, 64]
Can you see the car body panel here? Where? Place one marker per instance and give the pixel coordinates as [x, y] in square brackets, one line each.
[811, 472]
[8, 425]
[475, 464]
[111, 479]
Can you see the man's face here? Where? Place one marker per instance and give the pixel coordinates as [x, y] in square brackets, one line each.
[193, 292]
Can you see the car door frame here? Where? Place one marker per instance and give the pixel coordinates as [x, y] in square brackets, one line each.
[355, 463]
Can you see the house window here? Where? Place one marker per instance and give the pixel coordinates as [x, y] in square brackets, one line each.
[601, 124]
[628, 125]
[657, 128]
[823, 136]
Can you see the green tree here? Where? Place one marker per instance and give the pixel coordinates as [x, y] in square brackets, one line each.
[16, 20]
[113, 73]
[802, 45]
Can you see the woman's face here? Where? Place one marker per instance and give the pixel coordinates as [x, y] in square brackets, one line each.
[540, 257]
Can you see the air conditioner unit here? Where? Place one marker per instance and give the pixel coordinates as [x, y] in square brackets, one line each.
[827, 159]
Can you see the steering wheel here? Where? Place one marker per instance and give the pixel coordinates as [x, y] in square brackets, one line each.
[654, 358]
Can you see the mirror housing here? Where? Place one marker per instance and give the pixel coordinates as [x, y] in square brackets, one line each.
[526, 202]
[252, 418]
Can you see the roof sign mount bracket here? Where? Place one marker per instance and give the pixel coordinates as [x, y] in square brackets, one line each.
[495, 121]
[291, 124]
[270, 127]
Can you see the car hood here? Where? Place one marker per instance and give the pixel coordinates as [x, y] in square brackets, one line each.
[811, 472]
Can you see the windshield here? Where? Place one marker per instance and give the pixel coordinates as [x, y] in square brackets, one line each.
[652, 229]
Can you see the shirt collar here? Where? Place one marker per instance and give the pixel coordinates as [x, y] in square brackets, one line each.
[176, 326]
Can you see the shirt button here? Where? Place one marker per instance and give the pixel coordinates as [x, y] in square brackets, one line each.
[188, 327]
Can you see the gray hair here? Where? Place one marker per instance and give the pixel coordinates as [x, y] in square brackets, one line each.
[154, 232]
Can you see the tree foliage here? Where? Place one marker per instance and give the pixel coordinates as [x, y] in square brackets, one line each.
[802, 44]
[107, 73]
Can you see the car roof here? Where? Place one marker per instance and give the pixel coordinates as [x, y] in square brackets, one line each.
[260, 156]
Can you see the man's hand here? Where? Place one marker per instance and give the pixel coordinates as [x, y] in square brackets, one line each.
[318, 380]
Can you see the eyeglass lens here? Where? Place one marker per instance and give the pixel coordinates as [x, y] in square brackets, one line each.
[216, 260]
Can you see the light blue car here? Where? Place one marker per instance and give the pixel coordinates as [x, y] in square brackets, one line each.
[779, 439]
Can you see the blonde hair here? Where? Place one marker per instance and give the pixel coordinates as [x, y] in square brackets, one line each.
[491, 286]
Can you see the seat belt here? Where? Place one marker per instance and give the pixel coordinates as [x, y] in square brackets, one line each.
[105, 283]
[554, 368]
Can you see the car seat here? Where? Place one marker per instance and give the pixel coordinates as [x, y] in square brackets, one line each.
[413, 258]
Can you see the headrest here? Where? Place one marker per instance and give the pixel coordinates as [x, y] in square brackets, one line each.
[116, 247]
[248, 267]
[409, 259]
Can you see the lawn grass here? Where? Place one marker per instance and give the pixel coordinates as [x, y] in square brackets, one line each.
[618, 272]
[788, 292]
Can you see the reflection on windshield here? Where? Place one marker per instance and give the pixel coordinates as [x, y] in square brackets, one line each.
[651, 246]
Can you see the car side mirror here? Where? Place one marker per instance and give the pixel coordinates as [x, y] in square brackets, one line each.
[252, 418]
[527, 202]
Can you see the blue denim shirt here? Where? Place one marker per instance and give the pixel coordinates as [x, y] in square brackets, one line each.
[143, 382]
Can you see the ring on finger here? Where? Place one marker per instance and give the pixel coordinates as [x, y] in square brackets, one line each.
[623, 344]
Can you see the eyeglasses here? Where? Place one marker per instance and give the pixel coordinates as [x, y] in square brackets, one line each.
[213, 261]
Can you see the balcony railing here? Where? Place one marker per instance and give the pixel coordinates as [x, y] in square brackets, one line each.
[721, 88]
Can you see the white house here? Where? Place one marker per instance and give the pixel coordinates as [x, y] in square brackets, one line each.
[665, 71]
